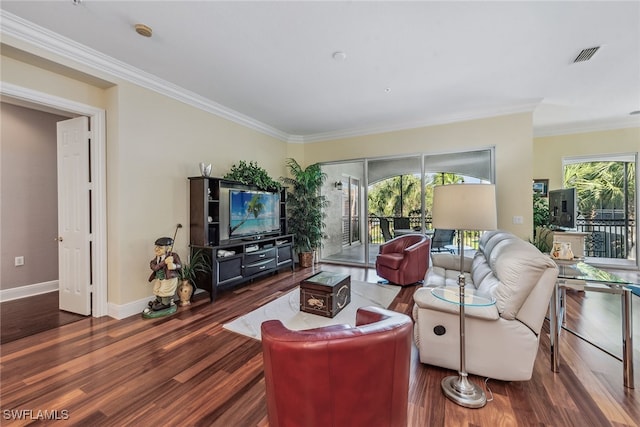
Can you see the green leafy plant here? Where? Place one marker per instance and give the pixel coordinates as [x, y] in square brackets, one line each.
[199, 263]
[541, 223]
[252, 174]
[305, 205]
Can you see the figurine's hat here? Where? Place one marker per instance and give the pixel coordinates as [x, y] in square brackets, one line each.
[164, 241]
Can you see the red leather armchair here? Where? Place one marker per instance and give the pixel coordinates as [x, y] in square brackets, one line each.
[339, 375]
[404, 260]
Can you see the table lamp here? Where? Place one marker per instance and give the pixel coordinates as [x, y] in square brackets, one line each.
[464, 207]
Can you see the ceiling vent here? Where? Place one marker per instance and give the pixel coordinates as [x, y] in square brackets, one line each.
[586, 54]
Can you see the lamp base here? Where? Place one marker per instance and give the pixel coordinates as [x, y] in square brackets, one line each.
[463, 392]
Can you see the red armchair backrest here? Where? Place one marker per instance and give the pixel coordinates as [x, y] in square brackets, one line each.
[339, 375]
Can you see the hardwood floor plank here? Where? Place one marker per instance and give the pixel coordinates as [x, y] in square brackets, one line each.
[187, 370]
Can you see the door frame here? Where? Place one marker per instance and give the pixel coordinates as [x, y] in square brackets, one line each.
[97, 117]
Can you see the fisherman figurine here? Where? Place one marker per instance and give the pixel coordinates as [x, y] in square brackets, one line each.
[166, 271]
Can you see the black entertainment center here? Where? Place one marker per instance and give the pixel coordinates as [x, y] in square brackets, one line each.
[240, 228]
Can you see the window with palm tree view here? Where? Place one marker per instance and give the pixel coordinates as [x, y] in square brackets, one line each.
[606, 199]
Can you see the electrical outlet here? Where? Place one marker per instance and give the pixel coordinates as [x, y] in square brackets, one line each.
[518, 219]
[19, 261]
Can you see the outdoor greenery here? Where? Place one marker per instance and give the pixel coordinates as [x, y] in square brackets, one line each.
[387, 200]
[252, 174]
[305, 205]
[601, 185]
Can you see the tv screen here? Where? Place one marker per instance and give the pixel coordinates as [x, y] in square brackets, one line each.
[252, 213]
[563, 208]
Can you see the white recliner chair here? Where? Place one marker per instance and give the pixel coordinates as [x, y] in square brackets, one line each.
[501, 340]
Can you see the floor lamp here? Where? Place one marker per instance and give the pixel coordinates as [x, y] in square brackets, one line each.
[464, 207]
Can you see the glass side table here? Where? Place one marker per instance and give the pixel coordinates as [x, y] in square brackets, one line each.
[458, 388]
[581, 276]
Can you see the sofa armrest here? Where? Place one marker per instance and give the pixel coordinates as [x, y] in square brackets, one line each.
[424, 299]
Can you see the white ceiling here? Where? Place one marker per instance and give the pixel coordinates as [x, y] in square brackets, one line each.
[407, 64]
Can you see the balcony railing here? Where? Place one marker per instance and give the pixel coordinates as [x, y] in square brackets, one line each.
[608, 238]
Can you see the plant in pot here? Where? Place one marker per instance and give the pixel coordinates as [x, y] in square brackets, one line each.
[199, 264]
[541, 230]
[252, 174]
[305, 209]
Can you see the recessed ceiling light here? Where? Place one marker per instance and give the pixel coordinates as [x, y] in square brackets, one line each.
[143, 30]
[339, 56]
[387, 90]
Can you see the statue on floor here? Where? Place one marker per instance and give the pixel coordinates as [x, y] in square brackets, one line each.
[166, 270]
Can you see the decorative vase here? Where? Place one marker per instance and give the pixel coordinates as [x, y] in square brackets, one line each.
[185, 290]
[306, 259]
[205, 170]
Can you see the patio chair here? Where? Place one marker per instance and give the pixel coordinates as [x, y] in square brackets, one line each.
[384, 227]
[441, 238]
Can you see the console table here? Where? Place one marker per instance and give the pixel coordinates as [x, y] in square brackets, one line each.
[584, 277]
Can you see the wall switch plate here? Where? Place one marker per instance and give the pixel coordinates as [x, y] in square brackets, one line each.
[19, 261]
[518, 219]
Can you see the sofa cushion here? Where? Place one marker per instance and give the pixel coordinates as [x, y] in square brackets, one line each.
[519, 265]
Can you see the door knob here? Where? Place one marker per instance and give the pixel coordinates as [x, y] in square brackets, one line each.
[58, 239]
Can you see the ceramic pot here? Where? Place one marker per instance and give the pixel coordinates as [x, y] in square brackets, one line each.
[185, 291]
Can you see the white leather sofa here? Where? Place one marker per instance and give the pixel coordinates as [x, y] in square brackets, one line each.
[502, 339]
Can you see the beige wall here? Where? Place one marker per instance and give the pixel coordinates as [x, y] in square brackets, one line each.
[549, 151]
[511, 136]
[28, 196]
[153, 144]
[158, 143]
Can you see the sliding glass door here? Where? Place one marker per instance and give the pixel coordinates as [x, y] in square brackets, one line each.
[344, 226]
[374, 200]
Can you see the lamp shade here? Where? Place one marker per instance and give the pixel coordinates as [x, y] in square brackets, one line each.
[465, 207]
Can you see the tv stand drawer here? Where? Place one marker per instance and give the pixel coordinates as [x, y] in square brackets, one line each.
[259, 255]
[260, 266]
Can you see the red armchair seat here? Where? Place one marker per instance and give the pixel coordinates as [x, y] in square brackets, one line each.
[339, 375]
[405, 259]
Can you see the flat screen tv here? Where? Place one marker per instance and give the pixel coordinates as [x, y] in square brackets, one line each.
[253, 213]
[563, 209]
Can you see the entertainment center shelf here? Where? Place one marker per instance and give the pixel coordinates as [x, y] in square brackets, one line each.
[250, 252]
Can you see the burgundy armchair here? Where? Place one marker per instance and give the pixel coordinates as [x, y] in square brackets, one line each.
[339, 375]
[404, 260]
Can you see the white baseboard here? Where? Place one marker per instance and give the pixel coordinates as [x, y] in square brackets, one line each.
[120, 311]
[28, 290]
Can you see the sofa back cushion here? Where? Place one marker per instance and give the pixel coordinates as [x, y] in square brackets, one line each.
[519, 267]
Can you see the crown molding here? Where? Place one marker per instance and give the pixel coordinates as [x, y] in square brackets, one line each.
[525, 107]
[587, 126]
[64, 47]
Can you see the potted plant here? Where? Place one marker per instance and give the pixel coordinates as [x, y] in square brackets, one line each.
[541, 230]
[305, 208]
[199, 264]
[252, 174]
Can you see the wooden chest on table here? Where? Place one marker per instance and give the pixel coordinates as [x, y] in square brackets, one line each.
[325, 293]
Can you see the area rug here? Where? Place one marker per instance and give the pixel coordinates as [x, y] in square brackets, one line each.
[287, 310]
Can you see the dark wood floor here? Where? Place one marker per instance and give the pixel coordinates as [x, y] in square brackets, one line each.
[28, 316]
[186, 370]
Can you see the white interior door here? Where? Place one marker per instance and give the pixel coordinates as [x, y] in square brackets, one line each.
[74, 222]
